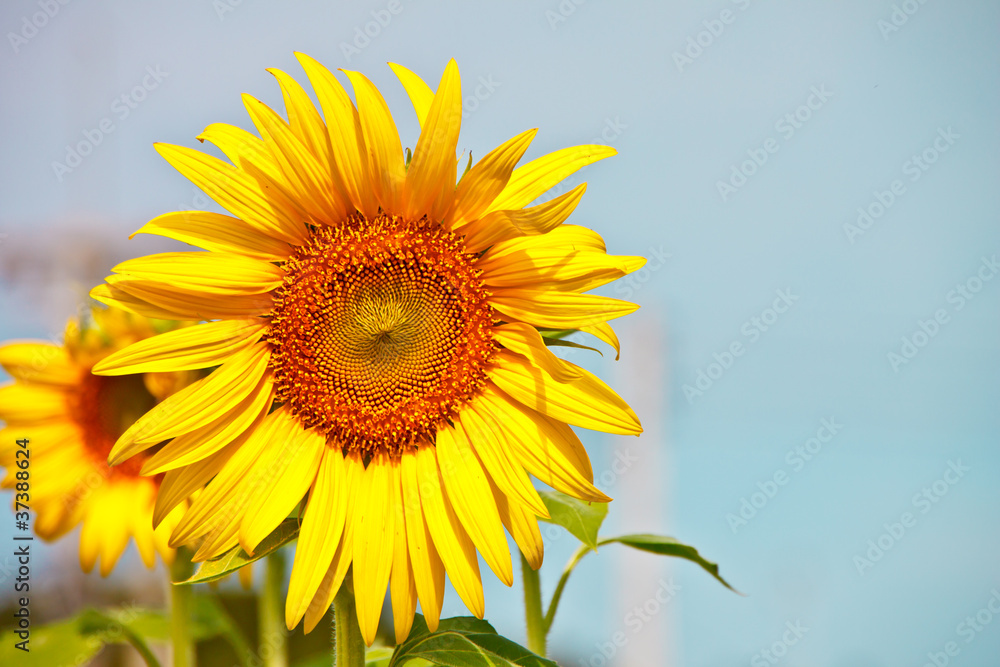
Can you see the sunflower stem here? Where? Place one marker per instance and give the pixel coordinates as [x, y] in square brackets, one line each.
[181, 608]
[533, 608]
[550, 615]
[270, 619]
[348, 645]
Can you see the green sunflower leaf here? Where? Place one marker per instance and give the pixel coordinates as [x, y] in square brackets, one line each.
[76, 640]
[560, 342]
[462, 642]
[236, 557]
[581, 519]
[668, 546]
[556, 334]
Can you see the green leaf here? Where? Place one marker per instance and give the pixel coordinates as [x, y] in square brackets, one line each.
[76, 640]
[462, 642]
[556, 334]
[559, 342]
[210, 619]
[668, 546]
[236, 557]
[377, 657]
[580, 518]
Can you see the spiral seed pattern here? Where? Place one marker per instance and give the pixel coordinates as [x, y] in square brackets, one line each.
[380, 332]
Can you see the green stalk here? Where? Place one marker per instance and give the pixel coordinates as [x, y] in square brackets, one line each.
[533, 608]
[348, 645]
[181, 608]
[550, 615]
[270, 619]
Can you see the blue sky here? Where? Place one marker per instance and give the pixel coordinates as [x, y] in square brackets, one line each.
[749, 136]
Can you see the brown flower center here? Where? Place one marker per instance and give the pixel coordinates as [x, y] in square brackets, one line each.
[105, 407]
[380, 332]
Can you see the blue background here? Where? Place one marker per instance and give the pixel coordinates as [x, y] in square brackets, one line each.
[577, 71]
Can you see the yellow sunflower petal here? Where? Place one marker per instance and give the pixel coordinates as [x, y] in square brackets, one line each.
[197, 404]
[428, 570]
[558, 310]
[402, 587]
[452, 542]
[311, 183]
[522, 525]
[122, 300]
[248, 152]
[344, 555]
[548, 449]
[236, 191]
[346, 137]
[430, 178]
[470, 495]
[586, 402]
[502, 225]
[534, 179]
[164, 301]
[40, 362]
[90, 537]
[556, 267]
[525, 340]
[374, 514]
[179, 484]
[385, 153]
[322, 528]
[603, 331]
[504, 469]
[200, 346]
[420, 93]
[569, 238]
[215, 272]
[192, 447]
[214, 231]
[305, 121]
[20, 403]
[209, 506]
[286, 482]
[486, 180]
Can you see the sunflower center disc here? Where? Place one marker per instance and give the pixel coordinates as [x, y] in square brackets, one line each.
[380, 332]
[103, 408]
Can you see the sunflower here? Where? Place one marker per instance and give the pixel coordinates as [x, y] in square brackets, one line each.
[71, 419]
[378, 336]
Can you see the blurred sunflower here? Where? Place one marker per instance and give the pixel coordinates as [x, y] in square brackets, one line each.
[72, 419]
[391, 319]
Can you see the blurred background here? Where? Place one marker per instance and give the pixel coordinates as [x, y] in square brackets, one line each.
[815, 186]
